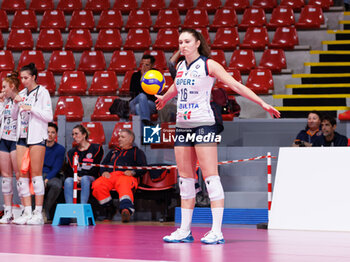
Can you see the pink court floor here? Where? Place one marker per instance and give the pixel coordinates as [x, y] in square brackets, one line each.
[133, 242]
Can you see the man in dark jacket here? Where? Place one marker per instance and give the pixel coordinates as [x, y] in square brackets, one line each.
[124, 181]
[141, 103]
[329, 137]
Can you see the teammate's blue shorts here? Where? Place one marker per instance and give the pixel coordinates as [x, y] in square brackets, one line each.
[195, 136]
[7, 145]
[23, 142]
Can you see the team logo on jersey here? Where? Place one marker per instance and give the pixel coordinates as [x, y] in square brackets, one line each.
[179, 74]
[187, 115]
[89, 155]
[151, 134]
[197, 66]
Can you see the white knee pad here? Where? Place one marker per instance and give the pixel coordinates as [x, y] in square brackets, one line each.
[7, 186]
[187, 188]
[23, 187]
[214, 188]
[38, 185]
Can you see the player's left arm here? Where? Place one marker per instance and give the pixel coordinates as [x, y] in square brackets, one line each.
[216, 70]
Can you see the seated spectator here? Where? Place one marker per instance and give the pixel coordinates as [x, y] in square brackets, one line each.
[88, 153]
[123, 181]
[329, 136]
[141, 103]
[311, 132]
[54, 159]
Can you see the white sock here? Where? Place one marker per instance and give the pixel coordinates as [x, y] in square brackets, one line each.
[28, 209]
[39, 208]
[186, 219]
[217, 214]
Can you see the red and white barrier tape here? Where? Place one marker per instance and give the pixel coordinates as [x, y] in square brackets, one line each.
[269, 183]
[75, 177]
[171, 166]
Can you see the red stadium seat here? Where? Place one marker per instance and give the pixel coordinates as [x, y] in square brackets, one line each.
[281, 16]
[255, 38]
[210, 5]
[226, 38]
[1, 42]
[167, 39]
[92, 61]
[311, 17]
[115, 135]
[79, 40]
[82, 19]
[40, 6]
[97, 6]
[49, 39]
[125, 88]
[96, 132]
[243, 60]
[4, 22]
[205, 33]
[154, 6]
[73, 83]
[6, 61]
[267, 5]
[196, 18]
[11, 6]
[139, 18]
[68, 6]
[125, 6]
[46, 79]
[285, 38]
[273, 59]
[236, 74]
[24, 19]
[167, 18]
[168, 80]
[53, 19]
[159, 55]
[110, 19]
[296, 5]
[122, 61]
[253, 17]
[238, 5]
[71, 107]
[101, 110]
[224, 17]
[181, 5]
[260, 81]
[104, 83]
[20, 39]
[219, 56]
[108, 40]
[61, 61]
[324, 4]
[138, 39]
[31, 56]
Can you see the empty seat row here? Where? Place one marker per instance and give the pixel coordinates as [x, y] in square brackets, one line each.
[195, 18]
[140, 39]
[123, 61]
[97, 6]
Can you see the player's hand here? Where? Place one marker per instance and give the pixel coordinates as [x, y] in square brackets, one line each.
[129, 173]
[26, 108]
[17, 99]
[106, 174]
[271, 110]
[160, 102]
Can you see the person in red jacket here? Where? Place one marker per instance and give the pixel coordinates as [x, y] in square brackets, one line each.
[122, 180]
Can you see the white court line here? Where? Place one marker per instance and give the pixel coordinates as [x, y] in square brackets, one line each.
[49, 258]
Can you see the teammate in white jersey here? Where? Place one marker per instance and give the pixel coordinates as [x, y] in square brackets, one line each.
[34, 112]
[193, 87]
[8, 160]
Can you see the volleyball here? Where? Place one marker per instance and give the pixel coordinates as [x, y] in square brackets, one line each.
[153, 82]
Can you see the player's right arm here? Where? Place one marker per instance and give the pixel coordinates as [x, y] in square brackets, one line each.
[163, 99]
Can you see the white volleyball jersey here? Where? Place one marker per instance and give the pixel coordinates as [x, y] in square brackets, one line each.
[194, 84]
[27, 99]
[9, 128]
